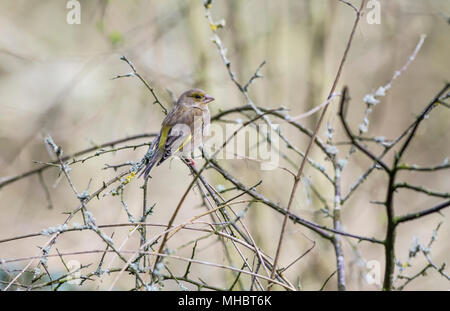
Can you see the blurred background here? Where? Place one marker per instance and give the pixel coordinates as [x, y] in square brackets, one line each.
[55, 78]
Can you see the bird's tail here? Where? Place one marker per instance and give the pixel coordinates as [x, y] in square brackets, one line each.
[155, 158]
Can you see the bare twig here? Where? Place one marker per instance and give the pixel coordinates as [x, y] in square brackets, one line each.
[302, 165]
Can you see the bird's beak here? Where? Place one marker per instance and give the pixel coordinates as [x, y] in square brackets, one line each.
[208, 99]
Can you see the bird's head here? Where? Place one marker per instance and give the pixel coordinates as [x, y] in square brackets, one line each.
[195, 97]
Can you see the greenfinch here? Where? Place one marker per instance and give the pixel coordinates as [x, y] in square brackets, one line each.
[182, 129]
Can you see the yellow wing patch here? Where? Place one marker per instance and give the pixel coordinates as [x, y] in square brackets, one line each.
[185, 142]
[162, 140]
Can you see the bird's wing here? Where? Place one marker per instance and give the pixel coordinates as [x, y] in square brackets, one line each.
[176, 131]
[175, 141]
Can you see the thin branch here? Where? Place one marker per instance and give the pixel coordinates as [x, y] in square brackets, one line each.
[413, 216]
[351, 136]
[316, 130]
[326, 281]
[423, 190]
[136, 74]
[10, 180]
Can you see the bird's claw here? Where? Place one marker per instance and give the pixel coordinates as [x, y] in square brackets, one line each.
[190, 162]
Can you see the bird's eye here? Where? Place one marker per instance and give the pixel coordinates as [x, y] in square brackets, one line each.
[197, 96]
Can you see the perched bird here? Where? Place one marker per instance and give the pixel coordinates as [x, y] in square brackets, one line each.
[182, 129]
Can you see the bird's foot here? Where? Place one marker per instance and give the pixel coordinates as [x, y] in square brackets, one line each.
[191, 162]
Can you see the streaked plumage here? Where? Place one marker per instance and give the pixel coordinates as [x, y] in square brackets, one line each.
[182, 128]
